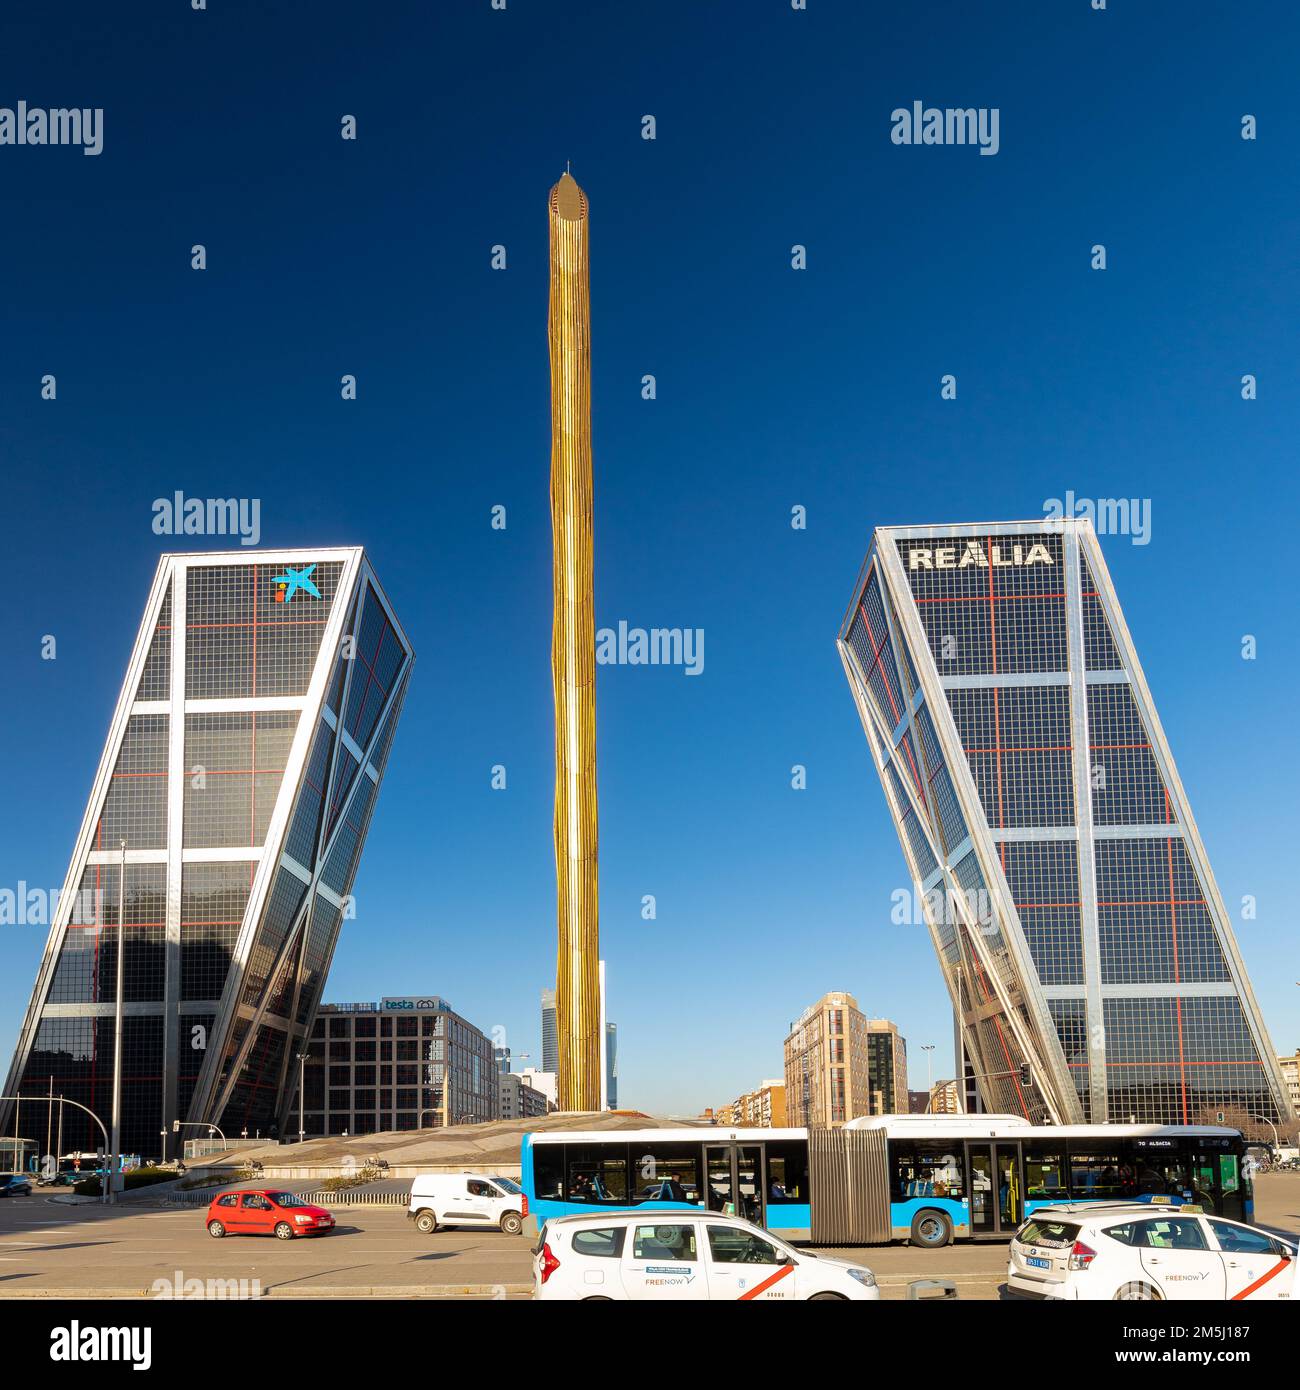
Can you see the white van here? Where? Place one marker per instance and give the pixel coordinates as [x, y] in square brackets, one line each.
[466, 1199]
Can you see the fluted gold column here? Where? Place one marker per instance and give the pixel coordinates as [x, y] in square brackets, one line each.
[573, 653]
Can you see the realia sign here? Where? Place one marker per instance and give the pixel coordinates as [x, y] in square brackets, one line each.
[952, 557]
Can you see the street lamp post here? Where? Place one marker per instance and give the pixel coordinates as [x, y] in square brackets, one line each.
[928, 1048]
[1277, 1143]
[302, 1076]
[115, 1143]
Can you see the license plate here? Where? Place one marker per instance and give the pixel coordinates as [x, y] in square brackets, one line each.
[1037, 1264]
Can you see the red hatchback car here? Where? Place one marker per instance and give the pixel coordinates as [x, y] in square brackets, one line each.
[266, 1213]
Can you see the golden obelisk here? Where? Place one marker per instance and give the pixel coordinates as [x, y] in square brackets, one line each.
[573, 654]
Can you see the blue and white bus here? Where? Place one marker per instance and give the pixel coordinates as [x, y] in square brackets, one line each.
[928, 1179]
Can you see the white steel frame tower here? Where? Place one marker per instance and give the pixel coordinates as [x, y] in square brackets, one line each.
[241, 766]
[1087, 950]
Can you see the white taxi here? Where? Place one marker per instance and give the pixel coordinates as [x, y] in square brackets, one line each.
[632, 1255]
[1140, 1251]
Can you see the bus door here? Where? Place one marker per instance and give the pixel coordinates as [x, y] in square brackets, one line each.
[997, 1187]
[1217, 1180]
[735, 1180]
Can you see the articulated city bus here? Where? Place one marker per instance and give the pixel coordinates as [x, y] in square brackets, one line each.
[928, 1179]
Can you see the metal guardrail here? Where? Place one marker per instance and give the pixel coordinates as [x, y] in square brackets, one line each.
[356, 1197]
[346, 1197]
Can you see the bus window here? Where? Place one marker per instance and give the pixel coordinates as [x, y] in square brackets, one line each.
[787, 1172]
[1044, 1173]
[666, 1172]
[924, 1169]
[1099, 1175]
[596, 1173]
[1160, 1175]
[548, 1171]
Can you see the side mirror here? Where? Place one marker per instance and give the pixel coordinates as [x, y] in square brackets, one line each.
[786, 1260]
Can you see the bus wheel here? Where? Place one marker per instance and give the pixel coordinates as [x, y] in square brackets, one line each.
[1141, 1293]
[930, 1230]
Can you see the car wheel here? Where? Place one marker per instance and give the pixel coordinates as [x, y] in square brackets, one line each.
[597, 1298]
[838, 1297]
[283, 1231]
[1140, 1293]
[930, 1230]
[216, 1230]
[512, 1223]
[426, 1223]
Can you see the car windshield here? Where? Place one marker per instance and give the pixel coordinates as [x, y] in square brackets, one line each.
[1045, 1232]
[285, 1199]
[509, 1184]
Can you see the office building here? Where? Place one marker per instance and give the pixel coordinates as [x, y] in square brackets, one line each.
[405, 1062]
[611, 1066]
[518, 1100]
[501, 1057]
[761, 1108]
[827, 1072]
[945, 1098]
[242, 766]
[886, 1068]
[1290, 1069]
[1051, 844]
[550, 1039]
[543, 1081]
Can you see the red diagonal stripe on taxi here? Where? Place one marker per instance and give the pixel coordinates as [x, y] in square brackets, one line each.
[767, 1283]
[1260, 1282]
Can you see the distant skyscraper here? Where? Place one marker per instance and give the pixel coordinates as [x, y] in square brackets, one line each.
[573, 652]
[611, 1066]
[886, 1068]
[550, 1038]
[242, 766]
[501, 1056]
[1058, 867]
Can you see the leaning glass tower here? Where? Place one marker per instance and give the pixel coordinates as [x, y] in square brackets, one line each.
[1086, 948]
[241, 769]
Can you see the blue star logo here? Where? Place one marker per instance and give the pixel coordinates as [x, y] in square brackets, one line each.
[292, 580]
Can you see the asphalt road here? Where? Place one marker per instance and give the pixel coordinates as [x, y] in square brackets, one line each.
[50, 1248]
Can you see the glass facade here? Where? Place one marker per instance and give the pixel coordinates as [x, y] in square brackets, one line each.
[1088, 954]
[241, 771]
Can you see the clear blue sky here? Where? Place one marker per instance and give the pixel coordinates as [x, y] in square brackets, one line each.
[775, 388]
